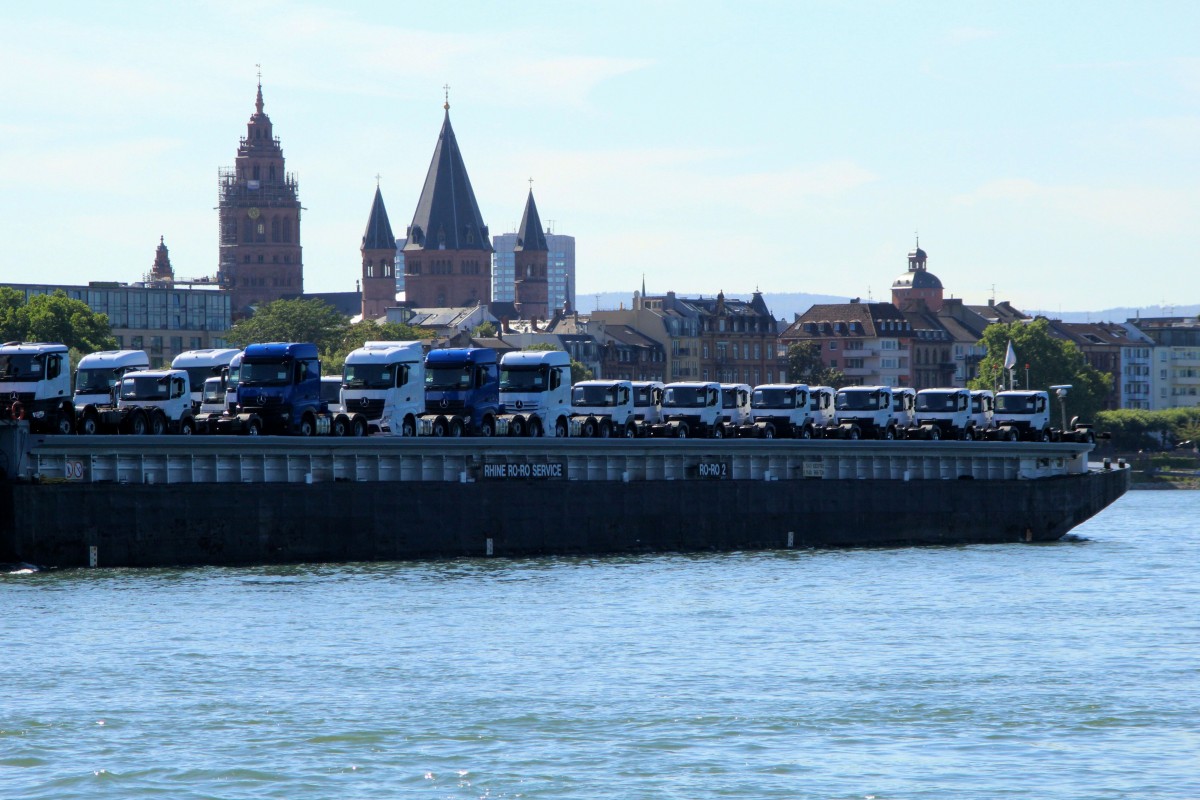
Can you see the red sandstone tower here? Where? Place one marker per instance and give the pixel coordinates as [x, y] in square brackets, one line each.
[259, 212]
[378, 262]
[917, 284]
[448, 254]
[161, 272]
[530, 257]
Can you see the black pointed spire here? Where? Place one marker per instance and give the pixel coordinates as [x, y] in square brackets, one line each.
[447, 216]
[530, 235]
[378, 235]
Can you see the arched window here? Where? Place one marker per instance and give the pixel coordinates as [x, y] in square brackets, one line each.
[274, 229]
[271, 174]
[287, 229]
[260, 231]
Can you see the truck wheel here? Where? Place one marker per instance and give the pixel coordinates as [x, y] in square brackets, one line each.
[681, 431]
[439, 427]
[408, 427]
[516, 426]
[560, 429]
[306, 425]
[64, 423]
[605, 429]
[806, 432]
[854, 432]
[158, 422]
[889, 434]
[187, 426]
[718, 431]
[254, 428]
[456, 428]
[630, 431]
[358, 427]
[1045, 435]
[768, 431]
[589, 428]
[339, 427]
[535, 428]
[90, 425]
[935, 433]
[487, 427]
[968, 434]
[137, 424]
[1011, 436]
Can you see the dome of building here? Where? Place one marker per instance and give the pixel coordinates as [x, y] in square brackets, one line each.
[917, 279]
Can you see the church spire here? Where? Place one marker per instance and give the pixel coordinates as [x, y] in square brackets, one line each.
[258, 102]
[530, 235]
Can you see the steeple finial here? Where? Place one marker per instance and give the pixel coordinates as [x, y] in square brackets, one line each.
[258, 102]
[377, 177]
[446, 89]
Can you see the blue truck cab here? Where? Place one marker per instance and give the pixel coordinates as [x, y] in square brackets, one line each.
[462, 393]
[278, 391]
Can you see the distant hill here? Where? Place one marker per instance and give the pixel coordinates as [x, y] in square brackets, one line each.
[782, 304]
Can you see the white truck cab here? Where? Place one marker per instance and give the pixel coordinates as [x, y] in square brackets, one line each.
[535, 392]
[863, 412]
[382, 390]
[904, 400]
[647, 399]
[98, 374]
[735, 406]
[1021, 415]
[944, 414]
[153, 401]
[202, 365]
[605, 408]
[35, 385]
[983, 408]
[691, 410]
[820, 403]
[780, 410]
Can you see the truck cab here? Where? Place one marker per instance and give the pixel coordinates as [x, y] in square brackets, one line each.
[35, 385]
[278, 391]
[462, 393]
[735, 406]
[780, 410]
[535, 392]
[1021, 415]
[691, 410]
[96, 379]
[820, 404]
[944, 414]
[904, 401]
[863, 412]
[983, 409]
[154, 402]
[647, 401]
[202, 365]
[382, 390]
[603, 409]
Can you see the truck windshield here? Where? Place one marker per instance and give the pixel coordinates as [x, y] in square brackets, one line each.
[331, 391]
[155, 387]
[96, 381]
[447, 378]
[266, 373]
[644, 397]
[214, 391]
[523, 379]
[20, 367]
[231, 380]
[198, 375]
[773, 398]
[369, 376]
[685, 397]
[937, 401]
[729, 398]
[1015, 404]
[857, 400]
[594, 396]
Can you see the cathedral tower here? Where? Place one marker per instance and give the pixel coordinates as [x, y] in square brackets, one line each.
[161, 272]
[259, 212]
[530, 261]
[917, 284]
[378, 260]
[448, 254]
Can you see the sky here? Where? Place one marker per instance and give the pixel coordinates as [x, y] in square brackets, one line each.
[1045, 153]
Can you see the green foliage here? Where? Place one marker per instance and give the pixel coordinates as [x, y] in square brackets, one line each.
[804, 365]
[356, 335]
[53, 318]
[578, 371]
[1051, 361]
[484, 330]
[1135, 429]
[291, 321]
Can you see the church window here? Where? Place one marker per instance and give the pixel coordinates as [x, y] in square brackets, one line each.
[287, 259]
[247, 259]
[370, 270]
[287, 230]
[271, 173]
[275, 229]
[387, 270]
[261, 259]
[260, 232]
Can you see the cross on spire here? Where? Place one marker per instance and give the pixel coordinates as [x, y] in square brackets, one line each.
[531, 184]
[259, 73]
[377, 176]
[446, 89]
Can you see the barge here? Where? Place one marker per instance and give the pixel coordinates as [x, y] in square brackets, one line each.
[73, 501]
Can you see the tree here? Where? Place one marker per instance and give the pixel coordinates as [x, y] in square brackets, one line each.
[578, 371]
[1051, 361]
[484, 330]
[804, 365]
[358, 334]
[53, 318]
[292, 321]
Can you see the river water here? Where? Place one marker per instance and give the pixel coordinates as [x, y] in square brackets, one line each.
[1065, 670]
